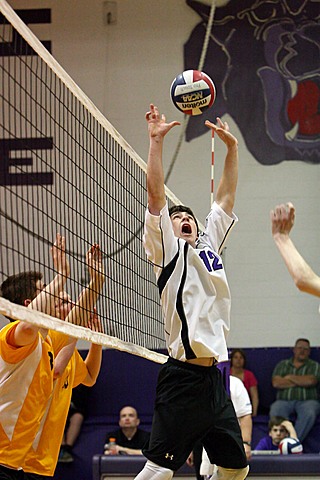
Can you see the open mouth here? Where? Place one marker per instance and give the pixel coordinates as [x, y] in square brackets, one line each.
[186, 228]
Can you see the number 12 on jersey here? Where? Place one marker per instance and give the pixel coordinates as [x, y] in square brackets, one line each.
[211, 261]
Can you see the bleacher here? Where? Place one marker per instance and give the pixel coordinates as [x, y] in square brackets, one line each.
[129, 380]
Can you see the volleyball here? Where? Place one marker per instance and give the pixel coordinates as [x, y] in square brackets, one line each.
[290, 445]
[193, 92]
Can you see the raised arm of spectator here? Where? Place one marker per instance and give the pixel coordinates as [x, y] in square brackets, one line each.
[290, 429]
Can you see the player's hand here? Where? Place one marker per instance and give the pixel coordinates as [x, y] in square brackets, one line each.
[282, 219]
[157, 125]
[223, 132]
[94, 322]
[58, 252]
[94, 263]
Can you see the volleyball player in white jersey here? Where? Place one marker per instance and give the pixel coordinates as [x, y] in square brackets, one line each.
[191, 402]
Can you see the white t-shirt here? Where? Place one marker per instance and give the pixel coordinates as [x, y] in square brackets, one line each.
[194, 291]
[240, 397]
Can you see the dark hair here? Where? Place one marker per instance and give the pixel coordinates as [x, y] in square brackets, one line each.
[275, 421]
[238, 350]
[183, 208]
[302, 340]
[20, 287]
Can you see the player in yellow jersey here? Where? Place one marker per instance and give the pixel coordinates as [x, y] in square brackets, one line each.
[30, 359]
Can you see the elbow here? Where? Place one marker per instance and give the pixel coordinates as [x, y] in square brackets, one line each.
[89, 381]
[302, 284]
[304, 280]
[27, 329]
[57, 373]
[93, 382]
[313, 381]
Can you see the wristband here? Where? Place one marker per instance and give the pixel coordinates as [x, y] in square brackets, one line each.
[247, 443]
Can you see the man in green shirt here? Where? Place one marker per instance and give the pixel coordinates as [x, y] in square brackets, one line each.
[296, 380]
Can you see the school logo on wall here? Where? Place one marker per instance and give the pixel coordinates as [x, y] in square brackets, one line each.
[264, 58]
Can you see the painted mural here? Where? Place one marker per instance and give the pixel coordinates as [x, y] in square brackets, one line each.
[264, 58]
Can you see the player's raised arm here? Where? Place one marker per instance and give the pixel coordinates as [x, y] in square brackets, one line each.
[227, 186]
[25, 332]
[45, 301]
[84, 313]
[157, 128]
[282, 221]
[81, 312]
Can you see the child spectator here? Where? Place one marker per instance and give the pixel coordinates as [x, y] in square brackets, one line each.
[279, 428]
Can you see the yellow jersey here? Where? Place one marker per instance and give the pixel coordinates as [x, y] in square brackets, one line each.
[43, 455]
[26, 387]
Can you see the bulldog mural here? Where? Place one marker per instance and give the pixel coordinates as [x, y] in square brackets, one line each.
[264, 58]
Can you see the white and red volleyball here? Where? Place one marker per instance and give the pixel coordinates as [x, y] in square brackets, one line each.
[290, 445]
[193, 92]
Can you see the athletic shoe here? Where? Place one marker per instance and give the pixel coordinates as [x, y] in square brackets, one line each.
[65, 457]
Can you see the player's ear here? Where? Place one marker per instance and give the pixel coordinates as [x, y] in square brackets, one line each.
[27, 302]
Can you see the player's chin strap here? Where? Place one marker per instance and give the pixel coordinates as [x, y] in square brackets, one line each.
[230, 473]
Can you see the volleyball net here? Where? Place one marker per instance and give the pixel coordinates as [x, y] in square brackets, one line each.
[65, 169]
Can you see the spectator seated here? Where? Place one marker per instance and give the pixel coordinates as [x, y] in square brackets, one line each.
[262, 362]
[129, 380]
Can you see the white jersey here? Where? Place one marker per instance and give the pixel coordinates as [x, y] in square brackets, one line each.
[193, 287]
[240, 397]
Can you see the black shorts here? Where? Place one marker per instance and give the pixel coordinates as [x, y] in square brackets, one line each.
[80, 400]
[192, 404]
[79, 403]
[11, 474]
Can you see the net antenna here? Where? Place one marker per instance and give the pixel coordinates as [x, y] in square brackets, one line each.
[65, 169]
